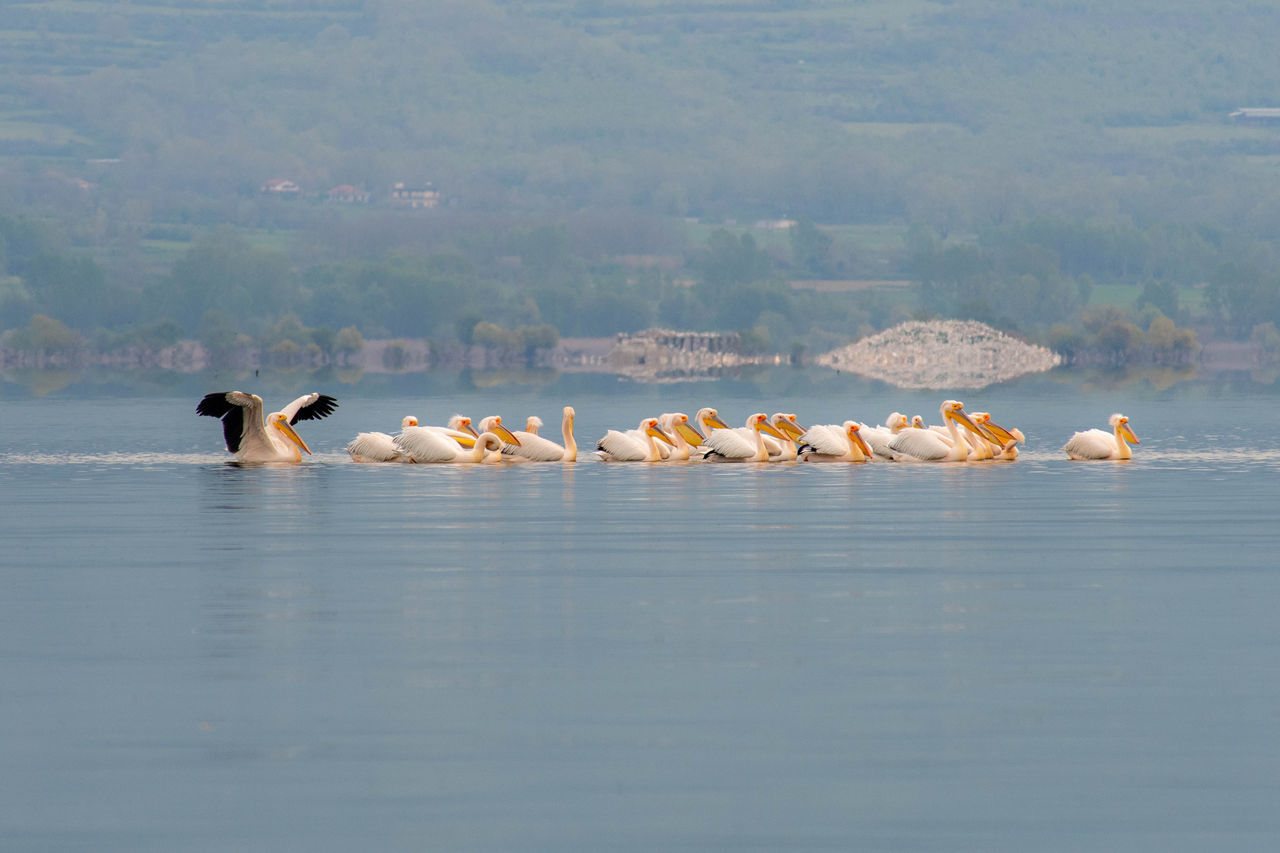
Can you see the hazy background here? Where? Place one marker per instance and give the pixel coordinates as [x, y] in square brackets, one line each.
[1068, 170]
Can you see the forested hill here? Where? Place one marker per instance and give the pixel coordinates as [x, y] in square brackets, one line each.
[949, 114]
[592, 160]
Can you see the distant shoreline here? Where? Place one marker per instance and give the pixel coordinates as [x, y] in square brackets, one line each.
[412, 355]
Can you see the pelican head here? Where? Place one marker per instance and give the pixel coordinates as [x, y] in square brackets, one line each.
[708, 419]
[896, 421]
[954, 410]
[1121, 425]
[996, 433]
[787, 423]
[678, 422]
[280, 421]
[760, 423]
[493, 424]
[462, 423]
[408, 421]
[532, 424]
[917, 422]
[854, 430]
[650, 427]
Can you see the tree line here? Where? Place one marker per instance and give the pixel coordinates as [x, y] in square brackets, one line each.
[521, 286]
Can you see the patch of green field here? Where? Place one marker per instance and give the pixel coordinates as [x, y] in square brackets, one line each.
[1126, 296]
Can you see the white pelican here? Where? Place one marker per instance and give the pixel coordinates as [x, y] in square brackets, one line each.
[706, 420]
[925, 445]
[878, 438]
[1100, 444]
[626, 447]
[829, 443]
[730, 445]
[252, 440]
[535, 448]
[785, 423]
[1009, 451]
[378, 446]
[1001, 443]
[531, 425]
[683, 436]
[423, 444]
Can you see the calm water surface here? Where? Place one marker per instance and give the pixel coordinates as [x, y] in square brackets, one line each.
[1034, 656]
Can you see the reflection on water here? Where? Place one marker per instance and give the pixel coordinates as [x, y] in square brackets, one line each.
[1036, 655]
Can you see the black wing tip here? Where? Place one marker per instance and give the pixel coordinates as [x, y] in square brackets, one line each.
[214, 405]
[321, 408]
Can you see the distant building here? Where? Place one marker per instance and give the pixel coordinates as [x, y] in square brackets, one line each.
[281, 187]
[414, 196]
[347, 194]
[1257, 115]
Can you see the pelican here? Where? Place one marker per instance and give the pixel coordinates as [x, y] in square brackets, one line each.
[925, 445]
[730, 445]
[626, 447]
[706, 420]
[531, 425]
[253, 441]
[378, 446]
[1100, 444]
[535, 448]
[423, 444]
[1001, 443]
[1009, 451]
[772, 446]
[829, 443]
[879, 437]
[786, 424]
[683, 436]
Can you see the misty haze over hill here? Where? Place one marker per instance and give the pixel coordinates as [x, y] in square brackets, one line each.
[570, 133]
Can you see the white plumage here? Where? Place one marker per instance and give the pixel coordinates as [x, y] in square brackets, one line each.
[535, 448]
[426, 445]
[378, 446]
[831, 443]
[731, 445]
[1100, 444]
[878, 438]
[634, 445]
[926, 445]
[251, 438]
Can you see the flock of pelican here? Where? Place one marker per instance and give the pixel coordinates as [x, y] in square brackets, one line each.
[671, 437]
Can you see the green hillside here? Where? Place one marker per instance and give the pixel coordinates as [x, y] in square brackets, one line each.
[947, 113]
[137, 130]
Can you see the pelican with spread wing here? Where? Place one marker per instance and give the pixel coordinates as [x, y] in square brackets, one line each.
[250, 437]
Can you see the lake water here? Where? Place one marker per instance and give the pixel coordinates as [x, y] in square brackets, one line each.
[1041, 656]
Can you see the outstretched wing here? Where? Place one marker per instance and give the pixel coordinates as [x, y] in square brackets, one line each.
[310, 407]
[235, 409]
